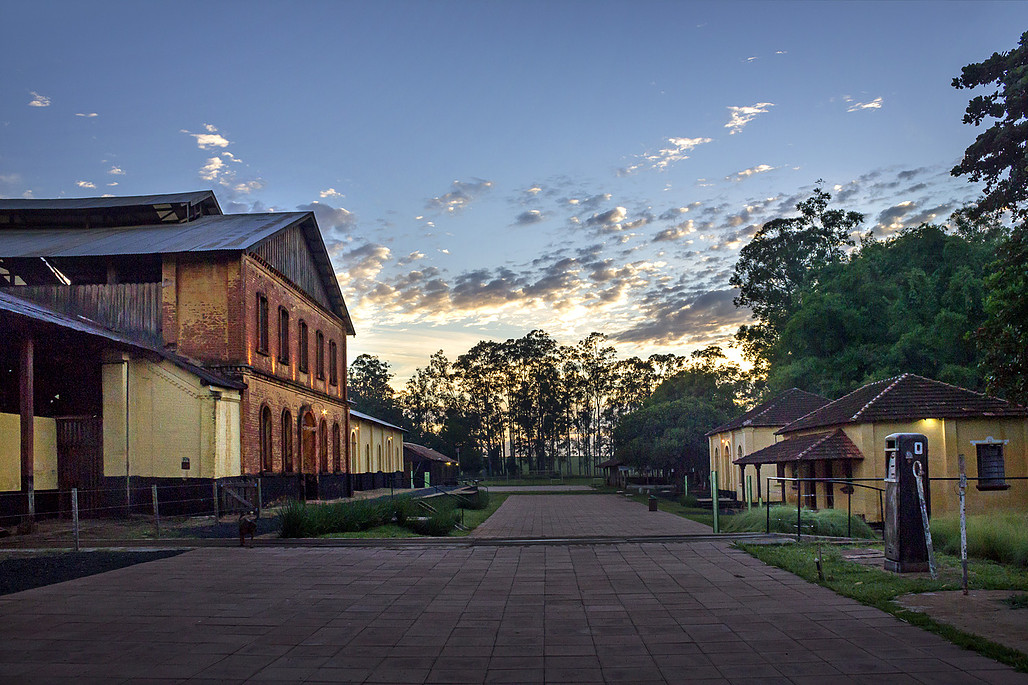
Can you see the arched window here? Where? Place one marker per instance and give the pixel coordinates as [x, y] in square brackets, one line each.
[379, 455]
[388, 466]
[367, 459]
[287, 441]
[302, 343]
[354, 454]
[265, 437]
[323, 445]
[740, 451]
[319, 354]
[337, 457]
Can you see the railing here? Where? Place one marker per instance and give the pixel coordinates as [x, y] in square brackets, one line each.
[851, 482]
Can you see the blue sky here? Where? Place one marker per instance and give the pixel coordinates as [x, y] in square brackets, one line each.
[480, 169]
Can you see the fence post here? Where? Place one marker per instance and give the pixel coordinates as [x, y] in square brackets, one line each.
[260, 498]
[714, 498]
[214, 489]
[156, 511]
[75, 515]
[749, 492]
[32, 501]
[849, 512]
[768, 530]
[799, 508]
[685, 484]
[963, 522]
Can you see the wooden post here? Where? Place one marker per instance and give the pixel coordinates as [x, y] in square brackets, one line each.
[75, 515]
[27, 409]
[963, 521]
[260, 498]
[156, 511]
[214, 488]
[713, 499]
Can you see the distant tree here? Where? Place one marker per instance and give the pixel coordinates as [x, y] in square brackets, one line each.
[784, 256]
[1003, 337]
[997, 156]
[369, 391]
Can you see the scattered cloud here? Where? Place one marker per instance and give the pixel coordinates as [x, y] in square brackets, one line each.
[411, 258]
[857, 106]
[212, 169]
[87, 115]
[676, 232]
[741, 116]
[335, 221]
[532, 216]
[39, 100]
[210, 139]
[331, 192]
[460, 197]
[664, 157]
[746, 173]
[610, 220]
[116, 171]
[85, 184]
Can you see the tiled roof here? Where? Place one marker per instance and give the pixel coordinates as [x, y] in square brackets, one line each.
[420, 452]
[905, 398]
[777, 411]
[813, 447]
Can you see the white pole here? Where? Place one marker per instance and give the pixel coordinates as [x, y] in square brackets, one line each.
[963, 521]
[156, 512]
[918, 472]
[75, 514]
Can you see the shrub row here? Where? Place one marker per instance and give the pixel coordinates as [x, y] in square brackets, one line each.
[998, 536]
[830, 522]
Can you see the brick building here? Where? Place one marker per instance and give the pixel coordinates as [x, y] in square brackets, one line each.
[250, 298]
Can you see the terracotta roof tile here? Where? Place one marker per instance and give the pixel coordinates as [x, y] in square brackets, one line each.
[420, 452]
[813, 447]
[905, 398]
[777, 411]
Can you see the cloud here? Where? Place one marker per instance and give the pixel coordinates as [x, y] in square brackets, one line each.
[87, 115]
[212, 169]
[891, 219]
[411, 258]
[331, 192]
[532, 216]
[335, 220]
[675, 232]
[39, 100]
[247, 187]
[462, 195]
[611, 219]
[665, 156]
[745, 173]
[365, 262]
[85, 184]
[672, 314]
[208, 140]
[740, 116]
[857, 106]
[116, 171]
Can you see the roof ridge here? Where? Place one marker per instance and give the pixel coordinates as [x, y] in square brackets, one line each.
[894, 379]
[826, 436]
[962, 389]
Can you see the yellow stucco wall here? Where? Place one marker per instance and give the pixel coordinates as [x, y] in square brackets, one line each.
[171, 416]
[379, 448]
[44, 453]
[726, 448]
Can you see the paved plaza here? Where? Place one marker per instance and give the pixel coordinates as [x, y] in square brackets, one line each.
[634, 612]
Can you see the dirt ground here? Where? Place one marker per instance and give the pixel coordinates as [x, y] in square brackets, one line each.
[981, 612]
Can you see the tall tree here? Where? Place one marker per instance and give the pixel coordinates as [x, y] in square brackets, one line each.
[997, 156]
[783, 256]
[369, 390]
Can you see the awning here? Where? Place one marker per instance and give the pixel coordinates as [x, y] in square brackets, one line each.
[813, 447]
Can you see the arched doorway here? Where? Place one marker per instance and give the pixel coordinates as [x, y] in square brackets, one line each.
[308, 453]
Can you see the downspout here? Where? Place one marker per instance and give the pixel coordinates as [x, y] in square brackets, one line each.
[128, 489]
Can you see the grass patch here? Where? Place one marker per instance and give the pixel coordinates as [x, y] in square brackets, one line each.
[1019, 601]
[693, 513]
[878, 588]
[475, 517]
[1000, 536]
[566, 480]
[389, 530]
[830, 522]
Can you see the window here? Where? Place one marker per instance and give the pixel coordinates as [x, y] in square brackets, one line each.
[337, 456]
[304, 361]
[283, 335]
[333, 364]
[354, 454]
[287, 441]
[319, 354]
[265, 437]
[323, 445]
[991, 471]
[262, 323]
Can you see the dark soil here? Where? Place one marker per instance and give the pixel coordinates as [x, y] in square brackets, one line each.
[24, 573]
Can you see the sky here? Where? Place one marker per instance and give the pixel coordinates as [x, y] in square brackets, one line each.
[483, 169]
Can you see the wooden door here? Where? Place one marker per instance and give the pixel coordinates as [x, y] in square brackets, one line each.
[80, 456]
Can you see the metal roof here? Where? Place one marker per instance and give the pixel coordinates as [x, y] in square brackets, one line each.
[30, 310]
[205, 234]
[410, 450]
[192, 198]
[372, 419]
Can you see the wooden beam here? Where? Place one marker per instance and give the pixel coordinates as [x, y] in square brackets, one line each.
[27, 407]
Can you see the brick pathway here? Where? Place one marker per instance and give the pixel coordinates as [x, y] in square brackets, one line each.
[559, 516]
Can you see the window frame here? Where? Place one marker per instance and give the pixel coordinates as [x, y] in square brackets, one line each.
[333, 363]
[283, 335]
[995, 467]
[266, 433]
[262, 324]
[302, 341]
[287, 441]
[319, 354]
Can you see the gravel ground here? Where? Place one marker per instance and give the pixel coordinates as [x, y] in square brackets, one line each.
[24, 571]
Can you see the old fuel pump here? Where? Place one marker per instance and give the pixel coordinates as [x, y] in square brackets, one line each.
[905, 548]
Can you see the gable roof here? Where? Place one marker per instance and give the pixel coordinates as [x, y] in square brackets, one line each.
[420, 453]
[777, 411]
[371, 419]
[905, 398]
[183, 222]
[813, 447]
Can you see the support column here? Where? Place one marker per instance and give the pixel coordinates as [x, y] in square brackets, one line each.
[26, 375]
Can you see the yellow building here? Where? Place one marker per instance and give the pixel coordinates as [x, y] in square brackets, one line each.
[753, 431]
[376, 453]
[846, 439]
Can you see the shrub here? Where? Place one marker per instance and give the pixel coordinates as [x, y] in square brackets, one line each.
[998, 536]
[302, 520]
[831, 522]
[480, 500]
[438, 524]
[689, 501]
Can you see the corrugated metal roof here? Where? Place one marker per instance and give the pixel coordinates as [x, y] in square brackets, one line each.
[205, 234]
[194, 197]
[421, 452]
[30, 310]
[372, 419]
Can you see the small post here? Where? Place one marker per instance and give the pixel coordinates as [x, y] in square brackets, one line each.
[918, 474]
[799, 509]
[713, 499]
[260, 498]
[768, 503]
[214, 493]
[963, 522]
[849, 511]
[75, 515]
[156, 511]
[749, 492]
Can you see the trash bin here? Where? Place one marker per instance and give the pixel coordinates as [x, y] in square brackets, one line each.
[653, 503]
